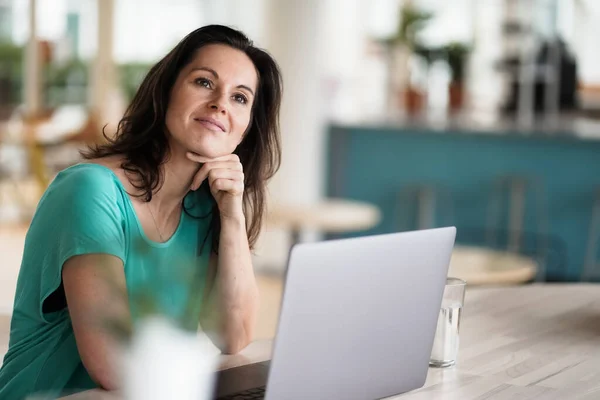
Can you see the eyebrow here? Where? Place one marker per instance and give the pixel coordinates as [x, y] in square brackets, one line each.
[214, 73]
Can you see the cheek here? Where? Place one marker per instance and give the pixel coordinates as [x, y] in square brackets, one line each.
[242, 123]
[169, 118]
[175, 117]
[174, 125]
[179, 103]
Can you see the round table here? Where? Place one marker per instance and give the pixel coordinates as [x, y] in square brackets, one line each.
[481, 266]
[328, 216]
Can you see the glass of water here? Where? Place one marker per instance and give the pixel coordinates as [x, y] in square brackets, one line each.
[445, 345]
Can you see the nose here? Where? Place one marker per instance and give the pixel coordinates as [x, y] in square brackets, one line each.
[218, 103]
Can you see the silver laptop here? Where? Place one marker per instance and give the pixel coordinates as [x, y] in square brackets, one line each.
[357, 320]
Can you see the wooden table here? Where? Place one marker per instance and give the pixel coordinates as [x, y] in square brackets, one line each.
[525, 342]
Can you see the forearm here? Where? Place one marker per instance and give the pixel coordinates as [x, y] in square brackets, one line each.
[96, 293]
[235, 294]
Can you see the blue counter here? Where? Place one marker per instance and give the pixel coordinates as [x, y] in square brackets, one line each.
[374, 164]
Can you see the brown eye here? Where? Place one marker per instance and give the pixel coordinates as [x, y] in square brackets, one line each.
[203, 82]
[240, 98]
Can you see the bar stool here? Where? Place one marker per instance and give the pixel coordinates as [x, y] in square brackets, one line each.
[424, 206]
[591, 262]
[512, 192]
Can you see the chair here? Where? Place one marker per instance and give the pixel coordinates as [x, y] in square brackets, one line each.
[53, 139]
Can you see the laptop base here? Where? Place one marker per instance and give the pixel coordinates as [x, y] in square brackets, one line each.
[232, 381]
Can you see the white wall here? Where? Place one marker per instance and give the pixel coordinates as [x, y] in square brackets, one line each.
[486, 85]
[586, 28]
[147, 29]
[250, 16]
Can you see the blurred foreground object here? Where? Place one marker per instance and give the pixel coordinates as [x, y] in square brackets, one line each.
[166, 362]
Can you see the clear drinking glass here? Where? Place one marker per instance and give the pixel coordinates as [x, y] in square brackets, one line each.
[445, 345]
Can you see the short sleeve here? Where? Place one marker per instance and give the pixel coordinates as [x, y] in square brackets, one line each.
[80, 213]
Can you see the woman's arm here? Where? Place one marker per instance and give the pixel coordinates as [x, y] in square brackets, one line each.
[232, 301]
[91, 283]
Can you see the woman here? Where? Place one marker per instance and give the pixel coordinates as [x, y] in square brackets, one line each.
[170, 206]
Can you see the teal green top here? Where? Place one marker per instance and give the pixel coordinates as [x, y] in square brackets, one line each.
[87, 210]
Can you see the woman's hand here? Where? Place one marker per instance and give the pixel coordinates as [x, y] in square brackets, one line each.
[226, 180]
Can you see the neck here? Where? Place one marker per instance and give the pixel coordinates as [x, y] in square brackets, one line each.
[178, 173]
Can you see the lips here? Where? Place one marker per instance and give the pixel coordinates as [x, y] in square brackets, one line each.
[211, 123]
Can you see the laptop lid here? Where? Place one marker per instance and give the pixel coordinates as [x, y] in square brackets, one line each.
[358, 316]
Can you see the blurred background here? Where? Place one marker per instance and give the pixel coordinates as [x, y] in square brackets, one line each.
[397, 115]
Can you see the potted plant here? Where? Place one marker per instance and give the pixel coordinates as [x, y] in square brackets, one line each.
[456, 56]
[11, 74]
[401, 46]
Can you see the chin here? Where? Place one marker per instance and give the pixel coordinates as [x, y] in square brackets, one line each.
[208, 151]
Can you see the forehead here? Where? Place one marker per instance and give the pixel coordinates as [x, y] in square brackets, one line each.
[230, 64]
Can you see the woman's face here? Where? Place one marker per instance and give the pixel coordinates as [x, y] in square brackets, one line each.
[211, 102]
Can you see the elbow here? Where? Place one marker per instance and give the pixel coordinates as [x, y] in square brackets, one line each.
[107, 385]
[100, 368]
[240, 330]
[229, 343]
[235, 346]
[236, 341]
[104, 379]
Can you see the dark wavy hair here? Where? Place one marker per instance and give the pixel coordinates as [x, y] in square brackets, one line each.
[142, 136]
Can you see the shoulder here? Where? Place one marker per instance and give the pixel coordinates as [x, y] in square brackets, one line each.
[82, 182]
[85, 176]
[83, 201]
[83, 187]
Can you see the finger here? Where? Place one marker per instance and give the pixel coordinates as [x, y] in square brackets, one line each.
[215, 175]
[200, 176]
[202, 159]
[233, 165]
[218, 173]
[206, 169]
[233, 187]
[198, 179]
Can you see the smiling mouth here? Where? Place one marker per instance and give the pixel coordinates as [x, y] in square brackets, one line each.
[211, 125]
